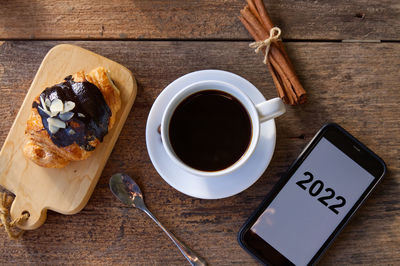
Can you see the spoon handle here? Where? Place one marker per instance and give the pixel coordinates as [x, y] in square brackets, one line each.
[186, 251]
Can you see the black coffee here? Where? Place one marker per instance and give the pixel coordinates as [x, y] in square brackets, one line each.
[210, 130]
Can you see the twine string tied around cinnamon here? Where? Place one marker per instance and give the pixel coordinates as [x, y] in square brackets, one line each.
[274, 36]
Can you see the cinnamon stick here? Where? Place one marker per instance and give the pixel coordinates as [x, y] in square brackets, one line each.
[250, 29]
[275, 78]
[278, 61]
[264, 17]
[253, 9]
[256, 20]
[258, 36]
[268, 25]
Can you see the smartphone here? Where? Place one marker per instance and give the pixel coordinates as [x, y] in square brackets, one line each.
[310, 205]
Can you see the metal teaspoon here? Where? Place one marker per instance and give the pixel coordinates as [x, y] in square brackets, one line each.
[127, 191]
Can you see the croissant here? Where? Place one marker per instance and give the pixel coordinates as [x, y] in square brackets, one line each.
[70, 119]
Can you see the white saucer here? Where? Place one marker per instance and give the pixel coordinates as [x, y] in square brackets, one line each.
[208, 187]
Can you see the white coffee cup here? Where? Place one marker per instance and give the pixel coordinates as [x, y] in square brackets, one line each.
[258, 114]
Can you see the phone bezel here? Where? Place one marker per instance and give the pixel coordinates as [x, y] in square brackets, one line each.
[352, 148]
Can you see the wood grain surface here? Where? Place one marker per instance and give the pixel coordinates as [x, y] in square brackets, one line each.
[354, 84]
[199, 19]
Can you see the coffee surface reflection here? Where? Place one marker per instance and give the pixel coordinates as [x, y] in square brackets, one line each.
[210, 130]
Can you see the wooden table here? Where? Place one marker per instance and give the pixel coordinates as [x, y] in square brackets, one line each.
[346, 53]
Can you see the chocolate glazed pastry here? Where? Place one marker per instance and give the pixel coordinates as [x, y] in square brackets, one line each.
[86, 121]
[70, 119]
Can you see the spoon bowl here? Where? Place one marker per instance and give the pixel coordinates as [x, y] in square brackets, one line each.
[127, 191]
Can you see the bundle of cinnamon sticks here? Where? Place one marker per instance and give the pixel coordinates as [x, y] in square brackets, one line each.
[255, 18]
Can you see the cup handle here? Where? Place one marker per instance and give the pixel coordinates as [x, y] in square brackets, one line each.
[270, 109]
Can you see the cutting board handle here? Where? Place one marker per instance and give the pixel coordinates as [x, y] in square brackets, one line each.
[36, 218]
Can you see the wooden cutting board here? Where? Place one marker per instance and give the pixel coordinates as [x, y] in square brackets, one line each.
[65, 190]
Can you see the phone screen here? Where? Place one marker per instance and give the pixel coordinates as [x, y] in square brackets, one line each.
[313, 202]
